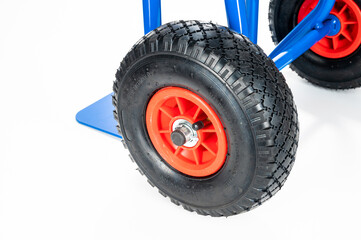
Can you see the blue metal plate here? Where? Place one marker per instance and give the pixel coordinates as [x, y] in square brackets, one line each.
[99, 116]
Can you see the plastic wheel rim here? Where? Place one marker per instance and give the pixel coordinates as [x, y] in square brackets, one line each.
[348, 40]
[173, 103]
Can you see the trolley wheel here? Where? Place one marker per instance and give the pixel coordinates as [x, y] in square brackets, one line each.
[334, 62]
[207, 117]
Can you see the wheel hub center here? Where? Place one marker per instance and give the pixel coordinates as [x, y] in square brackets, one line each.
[345, 36]
[336, 29]
[183, 134]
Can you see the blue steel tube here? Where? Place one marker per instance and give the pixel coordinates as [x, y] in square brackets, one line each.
[252, 15]
[152, 15]
[317, 16]
[237, 16]
[282, 60]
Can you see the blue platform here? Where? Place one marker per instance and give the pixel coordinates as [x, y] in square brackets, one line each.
[99, 116]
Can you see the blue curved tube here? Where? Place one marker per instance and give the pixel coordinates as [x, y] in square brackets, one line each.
[296, 36]
[311, 38]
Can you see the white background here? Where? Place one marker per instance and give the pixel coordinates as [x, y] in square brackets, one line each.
[61, 180]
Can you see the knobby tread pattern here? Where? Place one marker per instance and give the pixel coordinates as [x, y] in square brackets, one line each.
[271, 16]
[335, 86]
[259, 87]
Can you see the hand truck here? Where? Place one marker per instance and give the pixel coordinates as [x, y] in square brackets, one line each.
[207, 116]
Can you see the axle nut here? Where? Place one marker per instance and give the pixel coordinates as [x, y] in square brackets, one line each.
[178, 138]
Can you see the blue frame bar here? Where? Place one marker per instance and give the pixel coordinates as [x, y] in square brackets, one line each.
[252, 15]
[152, 15]
[237, 16]
[242, 16]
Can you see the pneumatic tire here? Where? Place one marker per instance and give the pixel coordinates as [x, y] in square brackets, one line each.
[325, 70]
[239, 84]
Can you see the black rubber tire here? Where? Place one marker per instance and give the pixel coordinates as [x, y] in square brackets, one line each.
[246, 90]
[343, 73]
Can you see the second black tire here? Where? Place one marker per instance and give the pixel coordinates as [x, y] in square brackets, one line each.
[341, 73]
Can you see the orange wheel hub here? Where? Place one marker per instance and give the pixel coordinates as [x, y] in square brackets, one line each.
[348, 39]
[186, 132]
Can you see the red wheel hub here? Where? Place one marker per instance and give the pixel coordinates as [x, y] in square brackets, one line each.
[174, 109]
[348, 39]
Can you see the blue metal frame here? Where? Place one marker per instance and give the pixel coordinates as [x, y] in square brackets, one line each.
[242, 16]
[308, 32]
[286, 56]
[152, 15]
[252, 14]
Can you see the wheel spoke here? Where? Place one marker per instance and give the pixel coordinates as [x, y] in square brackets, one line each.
[196, 114]
[207, 130]
[167, 111]
[206, 146]
[196, 155]
[177, 151]
[335, 43]
[350, 23]
[165, 131]
[347, 35]
[180, 104]
[343, 9]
